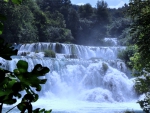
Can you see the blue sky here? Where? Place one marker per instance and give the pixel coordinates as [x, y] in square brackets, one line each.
[111, 3]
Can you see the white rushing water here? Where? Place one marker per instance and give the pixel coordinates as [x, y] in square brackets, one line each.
[96, 81]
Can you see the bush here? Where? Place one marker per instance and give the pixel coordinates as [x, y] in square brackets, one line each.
[49, 53]
[126, 54]
[105, 67]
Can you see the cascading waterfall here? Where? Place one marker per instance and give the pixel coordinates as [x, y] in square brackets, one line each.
[82, 52]
[95, 77]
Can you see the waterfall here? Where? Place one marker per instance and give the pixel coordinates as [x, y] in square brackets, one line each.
[94, 76]
[82, 52]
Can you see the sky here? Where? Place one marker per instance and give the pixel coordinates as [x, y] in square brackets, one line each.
[111, 3]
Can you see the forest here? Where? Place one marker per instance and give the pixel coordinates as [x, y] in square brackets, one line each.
[61, 21]
[64, 22]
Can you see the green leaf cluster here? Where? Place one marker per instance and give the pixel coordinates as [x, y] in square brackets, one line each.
[27, 23]
[13, 83]
[139, 11]
[49, 53]
[140, 32]
[60, 21]
[127, 54]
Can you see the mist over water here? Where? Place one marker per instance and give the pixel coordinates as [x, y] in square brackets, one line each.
[82, 79]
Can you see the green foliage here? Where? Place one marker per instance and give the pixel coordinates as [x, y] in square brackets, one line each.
[141, 26]
[126, 54]
[138, 63]
[86, 11]
[13, 83]
[2, 18]
[144, 105]
[27, 23]
[118, 26]
[56, 34]
[140, 32]
[53, 5]
[73, 21]
[17, 1]
[105, 67]
[57, 12]
[49, 53]
[5, 50]
[125, 38]
[19, 24]
[102, 12]
[57, 21]
[141, 85]
[21, 80]
[121, 12]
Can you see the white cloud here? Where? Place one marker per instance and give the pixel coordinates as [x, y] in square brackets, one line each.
[80, 3]
[111, 3]
[121, 3]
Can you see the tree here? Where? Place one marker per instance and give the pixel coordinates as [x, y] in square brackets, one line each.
[85, 11]
[117, 27]
[19, 26]
[73, 22]
[53, 5]
[64, 9]
[139, 11]
[101, 21]
[51, 21]
[102, 12]
[12, 83]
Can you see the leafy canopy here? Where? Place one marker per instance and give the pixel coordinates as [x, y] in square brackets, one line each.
[139, 11]
[12, 83]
